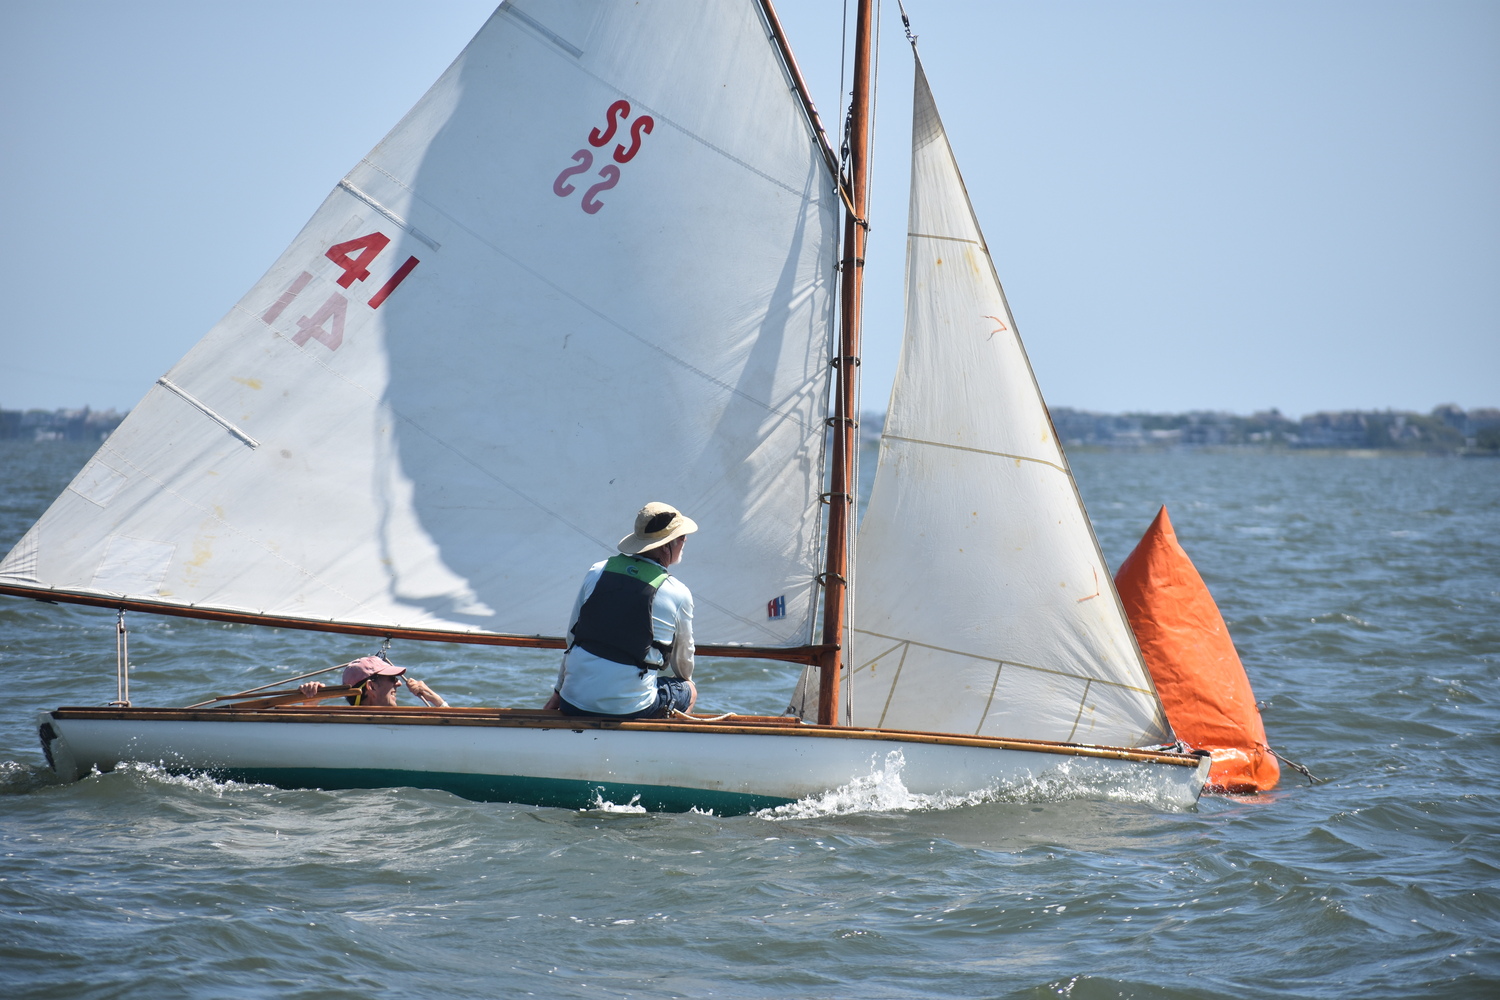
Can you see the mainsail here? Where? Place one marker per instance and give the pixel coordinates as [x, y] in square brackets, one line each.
[982, 602]
[594, 266]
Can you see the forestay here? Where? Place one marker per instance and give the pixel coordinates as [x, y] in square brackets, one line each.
[592, 267]
[982, 602]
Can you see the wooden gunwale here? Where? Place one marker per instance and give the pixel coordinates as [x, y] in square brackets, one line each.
[511, 718]
[792, 654]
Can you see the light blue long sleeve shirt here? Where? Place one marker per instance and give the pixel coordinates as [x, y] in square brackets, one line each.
[595, 684]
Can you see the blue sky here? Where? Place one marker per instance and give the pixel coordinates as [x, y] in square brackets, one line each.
[1227, 206]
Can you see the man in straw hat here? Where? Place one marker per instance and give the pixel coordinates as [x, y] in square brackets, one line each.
[631, 620]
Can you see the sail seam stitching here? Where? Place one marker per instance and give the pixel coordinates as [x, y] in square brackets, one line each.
[977, 451]
[1003, 662]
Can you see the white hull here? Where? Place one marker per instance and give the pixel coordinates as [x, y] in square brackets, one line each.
[730, 767]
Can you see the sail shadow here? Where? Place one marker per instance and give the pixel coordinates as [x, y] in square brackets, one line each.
[571, 346]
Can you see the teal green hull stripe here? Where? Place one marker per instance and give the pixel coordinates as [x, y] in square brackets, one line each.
[563, 793]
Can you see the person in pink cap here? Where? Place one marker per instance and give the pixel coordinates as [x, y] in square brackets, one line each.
[378, 681]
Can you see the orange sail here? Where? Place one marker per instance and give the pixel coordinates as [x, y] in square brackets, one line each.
[1198, 674]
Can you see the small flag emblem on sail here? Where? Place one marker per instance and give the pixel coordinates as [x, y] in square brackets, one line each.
[776, 608]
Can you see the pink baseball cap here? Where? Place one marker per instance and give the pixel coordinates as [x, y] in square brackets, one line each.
[366, 667]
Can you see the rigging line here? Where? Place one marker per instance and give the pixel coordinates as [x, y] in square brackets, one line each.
[1312, 779]
[1012, 663]
[873, 118]
[279, 680]
[677, 714]
[841, 155]
[843, 111]
[979, 451]
[565, 293]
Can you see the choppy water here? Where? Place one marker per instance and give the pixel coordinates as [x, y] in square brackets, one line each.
[1364, 595]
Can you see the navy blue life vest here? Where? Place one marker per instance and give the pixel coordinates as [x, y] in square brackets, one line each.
[615, 621]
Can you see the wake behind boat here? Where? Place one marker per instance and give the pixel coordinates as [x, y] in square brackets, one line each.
[611, 255]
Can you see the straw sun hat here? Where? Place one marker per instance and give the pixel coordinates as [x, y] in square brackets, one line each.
[656, 524]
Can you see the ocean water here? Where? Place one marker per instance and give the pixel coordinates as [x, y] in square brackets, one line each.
[1364, 597]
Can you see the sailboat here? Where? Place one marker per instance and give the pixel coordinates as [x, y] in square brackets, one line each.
[567, 282]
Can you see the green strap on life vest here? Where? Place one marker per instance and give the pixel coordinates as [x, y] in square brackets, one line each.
[648, 571]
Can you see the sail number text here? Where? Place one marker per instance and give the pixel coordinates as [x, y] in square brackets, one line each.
[583, 160]
[326, 323]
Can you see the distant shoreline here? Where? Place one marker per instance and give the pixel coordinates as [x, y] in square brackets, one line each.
[1447, 430]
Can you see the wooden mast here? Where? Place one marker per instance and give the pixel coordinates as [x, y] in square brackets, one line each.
[845, 435]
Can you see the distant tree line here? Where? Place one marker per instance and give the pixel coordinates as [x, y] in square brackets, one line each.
[58, 425]
[1447, 429]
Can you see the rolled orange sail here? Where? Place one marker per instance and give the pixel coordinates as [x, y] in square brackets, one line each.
[1193, 661]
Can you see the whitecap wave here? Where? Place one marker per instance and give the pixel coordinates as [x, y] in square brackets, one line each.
[601, 804]
[882, 790]
[159, 773]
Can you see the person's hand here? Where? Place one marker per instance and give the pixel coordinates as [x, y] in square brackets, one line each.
[310, 688]
[426, 693]
[553, 702]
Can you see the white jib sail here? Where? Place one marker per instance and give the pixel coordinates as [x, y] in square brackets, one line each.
[982, 602]
[593, 267]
